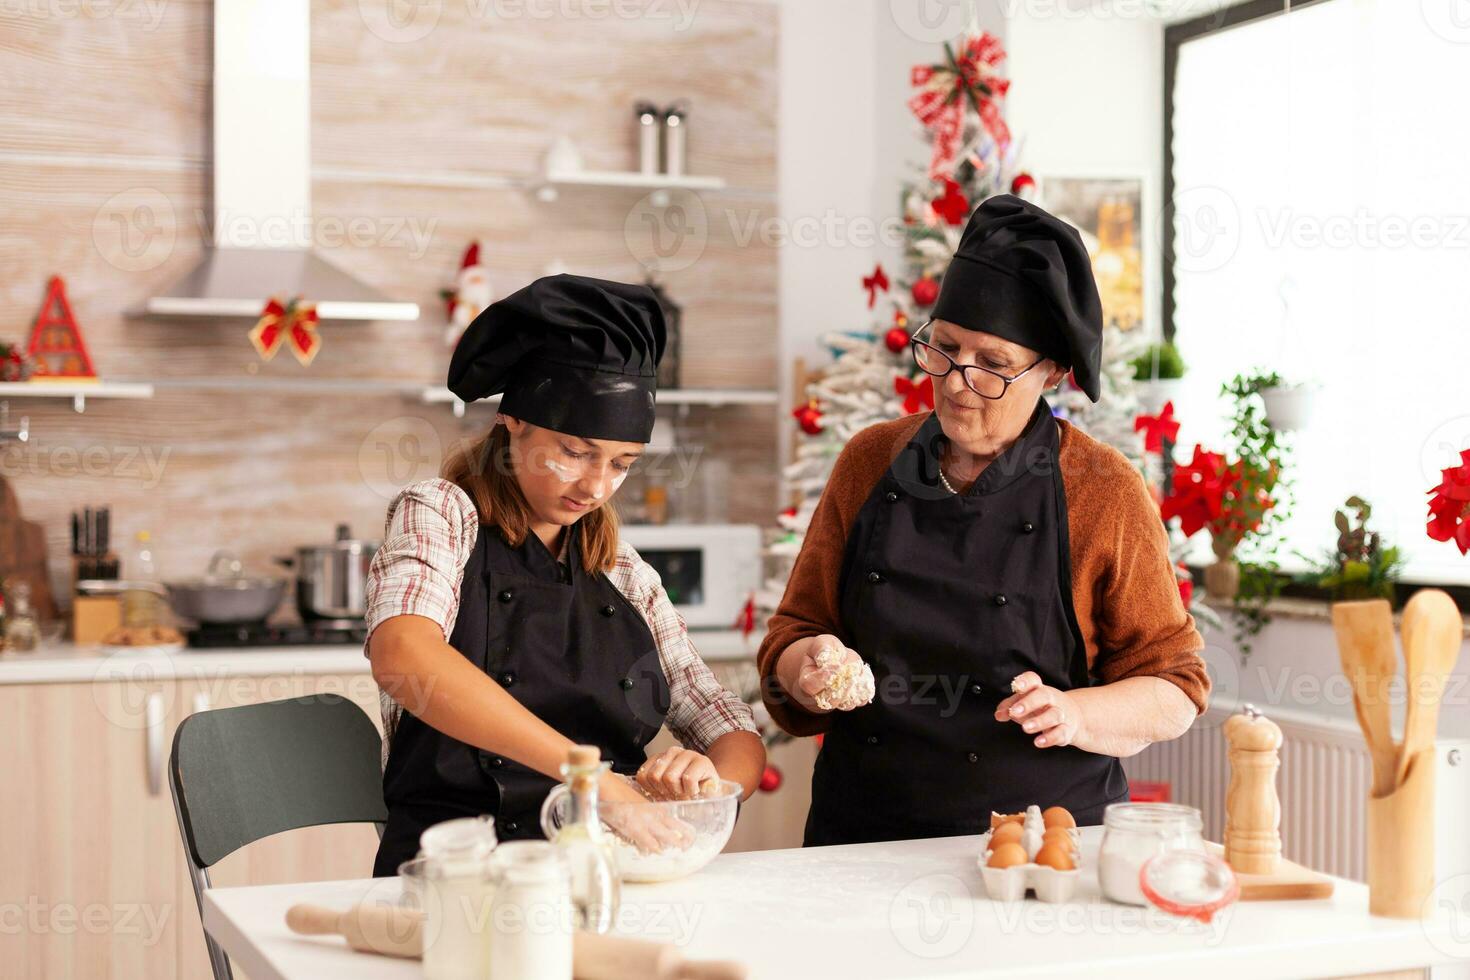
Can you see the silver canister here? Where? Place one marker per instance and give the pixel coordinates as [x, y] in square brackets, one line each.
[649, 124]
[676, 130]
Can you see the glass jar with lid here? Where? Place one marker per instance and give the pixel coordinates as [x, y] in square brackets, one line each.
[457, 889]
[1135, 832]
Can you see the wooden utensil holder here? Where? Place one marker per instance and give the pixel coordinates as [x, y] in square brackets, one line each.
[1401, 843]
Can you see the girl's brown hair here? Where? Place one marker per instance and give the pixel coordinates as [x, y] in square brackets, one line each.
[485, 469]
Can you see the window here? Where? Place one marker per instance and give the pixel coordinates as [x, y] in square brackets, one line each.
[1321, 180]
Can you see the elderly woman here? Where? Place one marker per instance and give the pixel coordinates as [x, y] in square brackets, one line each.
[1006, 577]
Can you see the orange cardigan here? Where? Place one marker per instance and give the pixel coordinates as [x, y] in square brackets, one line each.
[1123, 585]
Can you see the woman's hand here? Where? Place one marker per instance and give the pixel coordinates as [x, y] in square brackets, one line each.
[803, 677]
[678, 774]
[1051, 715]
[631, 816]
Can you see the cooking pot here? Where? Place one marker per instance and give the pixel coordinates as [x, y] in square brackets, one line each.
[331, 579]
[223, 594]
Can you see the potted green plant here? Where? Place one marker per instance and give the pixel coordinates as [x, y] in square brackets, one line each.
[1157, 374]
[1288, 403]
[1362, 566]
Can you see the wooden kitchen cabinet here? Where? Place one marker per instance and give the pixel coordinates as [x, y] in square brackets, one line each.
[90, 860]
[93, 880]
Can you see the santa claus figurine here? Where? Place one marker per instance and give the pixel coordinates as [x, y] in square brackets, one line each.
[470, 295]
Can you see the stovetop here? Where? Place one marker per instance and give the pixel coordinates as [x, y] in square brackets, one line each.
[327, 632]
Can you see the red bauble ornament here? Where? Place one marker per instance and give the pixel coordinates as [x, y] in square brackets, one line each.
[809, 417]
[925, 290]
[770, 780]
[896, 339]
[1024, 186]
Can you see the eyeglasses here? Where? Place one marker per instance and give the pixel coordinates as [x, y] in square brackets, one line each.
[982, 381]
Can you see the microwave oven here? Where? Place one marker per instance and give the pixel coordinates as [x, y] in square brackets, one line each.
[708, 570]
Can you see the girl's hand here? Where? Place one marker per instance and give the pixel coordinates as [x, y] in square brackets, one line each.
[812, 677]
[1049, 714]
[678, 774]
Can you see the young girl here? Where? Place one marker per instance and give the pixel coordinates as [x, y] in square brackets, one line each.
[506, 620]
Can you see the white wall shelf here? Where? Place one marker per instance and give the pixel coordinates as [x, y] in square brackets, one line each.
[77, 391]
[551, 184]
[668, 396]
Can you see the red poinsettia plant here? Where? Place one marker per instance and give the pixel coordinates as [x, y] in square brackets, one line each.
[1449, 505]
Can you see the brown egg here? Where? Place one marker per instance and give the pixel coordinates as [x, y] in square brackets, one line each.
[1006, 833]
[1007, 855]
[1055, 816]
[996, 819]
[1058, 835]
[1057, 856]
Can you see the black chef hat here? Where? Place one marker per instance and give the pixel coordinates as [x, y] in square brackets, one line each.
[570, 353]
[1023, 274]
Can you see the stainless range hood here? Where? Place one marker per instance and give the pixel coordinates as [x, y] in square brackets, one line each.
[262, 222]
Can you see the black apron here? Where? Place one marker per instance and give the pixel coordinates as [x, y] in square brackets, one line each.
[948, 597]
[567, 645]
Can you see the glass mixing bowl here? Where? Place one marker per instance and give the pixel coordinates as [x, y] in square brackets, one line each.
[658, 840]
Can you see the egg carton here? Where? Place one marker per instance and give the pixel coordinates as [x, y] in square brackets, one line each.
[1011, 884]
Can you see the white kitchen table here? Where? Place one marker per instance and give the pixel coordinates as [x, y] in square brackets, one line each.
[899, 909]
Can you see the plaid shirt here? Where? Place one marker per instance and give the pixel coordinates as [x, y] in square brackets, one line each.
[427, 539]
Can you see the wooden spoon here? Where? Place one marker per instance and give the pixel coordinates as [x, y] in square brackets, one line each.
[1369, 657]
[1432, 630]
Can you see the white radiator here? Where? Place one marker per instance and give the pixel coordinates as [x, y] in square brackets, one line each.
[1323, 786]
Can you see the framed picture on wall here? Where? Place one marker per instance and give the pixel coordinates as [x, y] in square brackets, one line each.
[1108, 211]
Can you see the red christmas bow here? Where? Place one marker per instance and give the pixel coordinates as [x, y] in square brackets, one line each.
[915, 396]
[1157, 428]
[974, 76]
[1449, 505]
[878, 280]
[294, 321]
[952, 206]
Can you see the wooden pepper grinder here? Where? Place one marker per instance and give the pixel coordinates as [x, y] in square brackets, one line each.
[1252, 808]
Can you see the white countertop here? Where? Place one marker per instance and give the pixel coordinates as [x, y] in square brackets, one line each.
[898, 909]
[65, 663]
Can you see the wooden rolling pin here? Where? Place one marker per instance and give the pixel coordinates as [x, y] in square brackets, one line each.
[392, 931]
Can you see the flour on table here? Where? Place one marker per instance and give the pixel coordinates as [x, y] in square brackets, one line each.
[851, 685]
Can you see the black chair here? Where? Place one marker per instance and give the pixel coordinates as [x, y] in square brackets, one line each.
[242, 774]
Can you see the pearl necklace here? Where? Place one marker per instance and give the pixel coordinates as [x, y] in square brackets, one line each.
[944, 479]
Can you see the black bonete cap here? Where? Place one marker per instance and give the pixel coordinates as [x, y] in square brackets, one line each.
[1024, 274]
[570, 353]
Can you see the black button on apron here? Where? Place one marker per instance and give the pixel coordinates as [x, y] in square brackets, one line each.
[891, 496]
[506, 595]
[1027, 527]
[626, 683]
[608, 610]
[508, 678]
[497, 762]
[973, 757]
[976, 689]
[999, 600]
[875, 577]
[511, 826]
[872, 739]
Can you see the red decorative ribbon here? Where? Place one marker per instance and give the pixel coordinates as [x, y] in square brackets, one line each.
[878, 280]
[915, 396]
[1157, 428]
[972, 76]
[294, 322]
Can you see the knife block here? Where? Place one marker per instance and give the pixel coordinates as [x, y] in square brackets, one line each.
[1401, 843]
